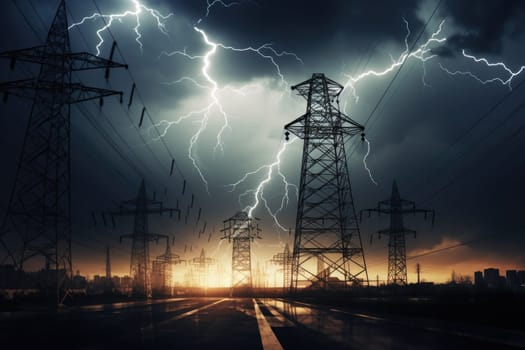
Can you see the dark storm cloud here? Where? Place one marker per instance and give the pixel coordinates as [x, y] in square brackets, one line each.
[315, 30]
[307, 22]
[484, 24]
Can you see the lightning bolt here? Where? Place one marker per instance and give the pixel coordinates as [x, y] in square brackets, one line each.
[266, 51]
[210, 4]
[257, 193]
[423, 53]
[139, 9]
[503, 81]
[366, 166]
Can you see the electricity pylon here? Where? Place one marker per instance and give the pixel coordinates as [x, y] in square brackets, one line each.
[140, 208]
[201, 264]
[326, 224]
[284, 259]
[162, 269]
[241, 230]
[396, 207]
[108, 285]
[38, 219]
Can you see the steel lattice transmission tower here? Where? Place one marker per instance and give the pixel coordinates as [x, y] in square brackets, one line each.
[326, 223]
[140, 208]
[108, 282]
[38, 218]
[241, 230]
[162, 270]
[396, 207]
[201, 264]
[284, 259]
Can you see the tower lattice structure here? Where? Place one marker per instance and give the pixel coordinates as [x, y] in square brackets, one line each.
[140, 208]
[37, 223]
[396, 207]
[108, 282]
[201, 265]
[284, 260]
[162, 269]
[326, 224]
[241, 230]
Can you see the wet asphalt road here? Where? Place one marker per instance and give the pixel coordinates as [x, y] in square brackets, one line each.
[238, 323]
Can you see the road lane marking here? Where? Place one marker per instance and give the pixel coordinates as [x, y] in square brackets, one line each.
[194, 311]
[268, 338]
[152, 326]
[124, 305]
[368, 317]
[319, 307]
[281, 319]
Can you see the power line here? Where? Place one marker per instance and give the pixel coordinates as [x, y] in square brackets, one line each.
[505, 141]
[142, 100]
[147, 111]
[403, 64]
[447, 163]
[435, 251]
[83, 109]
[109, 140]
[131, 121]
[44, 27]
[27, 21]
[129, 118]
[390, 84]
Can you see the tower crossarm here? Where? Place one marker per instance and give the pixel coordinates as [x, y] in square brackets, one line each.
[202, 262]
[379, 210]
[334, 88]
[79, 61]
[347, 127]
[384, 209]
[241, 226]
[323, 117]
[81, 93]
[168, 257]
[85, 61]
[426, 212]
[33, 54]
[75, 92]
[280, 259]
[405, 231]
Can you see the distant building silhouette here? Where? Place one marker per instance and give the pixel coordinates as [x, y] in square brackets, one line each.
[512, 279]
[492, 277]
[478, 279]
[126, 282]
[79, 282]
[521, 278]
[116, 281]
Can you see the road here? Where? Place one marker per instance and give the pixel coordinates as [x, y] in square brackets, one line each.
[238, 323]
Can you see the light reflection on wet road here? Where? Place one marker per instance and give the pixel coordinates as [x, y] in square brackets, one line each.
[363, 331]
[238, 323]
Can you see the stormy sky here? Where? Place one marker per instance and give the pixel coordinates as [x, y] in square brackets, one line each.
[452, 140]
